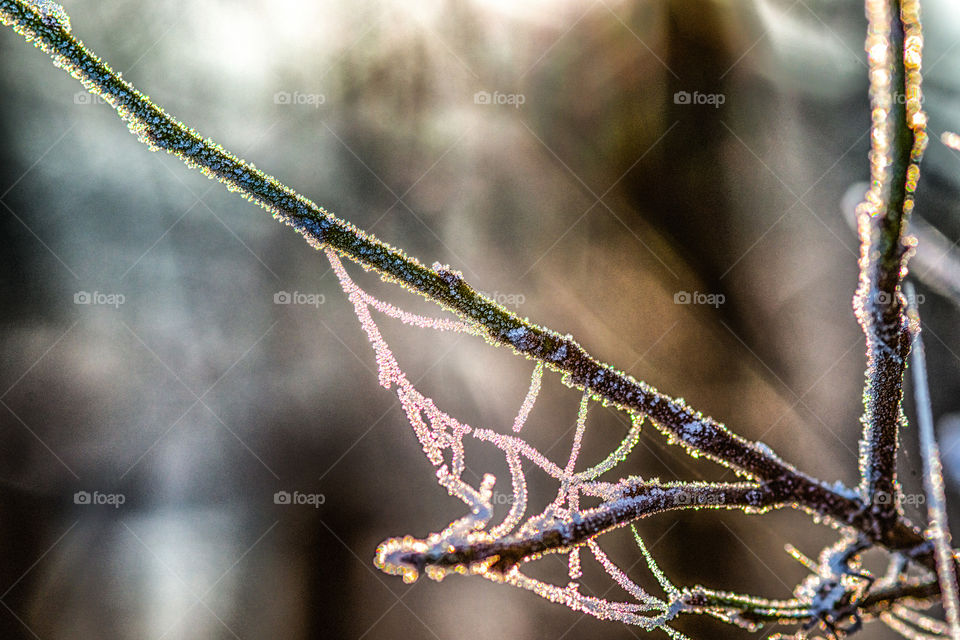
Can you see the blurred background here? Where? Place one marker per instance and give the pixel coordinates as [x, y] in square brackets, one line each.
[664, 180]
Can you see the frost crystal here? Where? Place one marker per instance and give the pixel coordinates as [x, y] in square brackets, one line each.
[51, 12]
[531, 398]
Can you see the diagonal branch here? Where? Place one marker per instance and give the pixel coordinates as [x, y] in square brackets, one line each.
[700, 434]
[440, 284]
[898, 138]
[750, 608]
[439, 555]
[939, 527]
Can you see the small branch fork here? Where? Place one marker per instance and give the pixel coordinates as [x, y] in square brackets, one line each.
[898, 140]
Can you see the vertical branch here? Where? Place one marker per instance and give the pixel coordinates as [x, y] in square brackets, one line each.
[898, 137]
[939, 527]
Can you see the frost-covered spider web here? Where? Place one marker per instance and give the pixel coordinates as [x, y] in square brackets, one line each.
[442, 438]
[498, 551]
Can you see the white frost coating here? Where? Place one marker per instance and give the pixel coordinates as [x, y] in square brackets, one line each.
[529, 452]
[693, 428]
[619, 454]
[50, 11]
[439, 434]
[844, 490]
[620, 577]
[424, 322]
[654, 567]
[516, 335]
[925, 622]
[535, 379]
[596, 607]
[574, 570]
[578, 437]
[766, 450]
[519, 506]
[905, 630]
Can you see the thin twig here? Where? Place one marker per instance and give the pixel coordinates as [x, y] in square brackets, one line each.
[939, 527]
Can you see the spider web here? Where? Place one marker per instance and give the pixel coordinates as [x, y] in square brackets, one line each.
[441, 437]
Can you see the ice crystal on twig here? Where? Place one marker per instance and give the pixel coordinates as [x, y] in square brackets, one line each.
[535, 379]
[910, 627]
[51, 12]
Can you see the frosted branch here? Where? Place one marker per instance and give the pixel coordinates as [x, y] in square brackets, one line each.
[938, 528]
[546, 534]
[898, 137]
